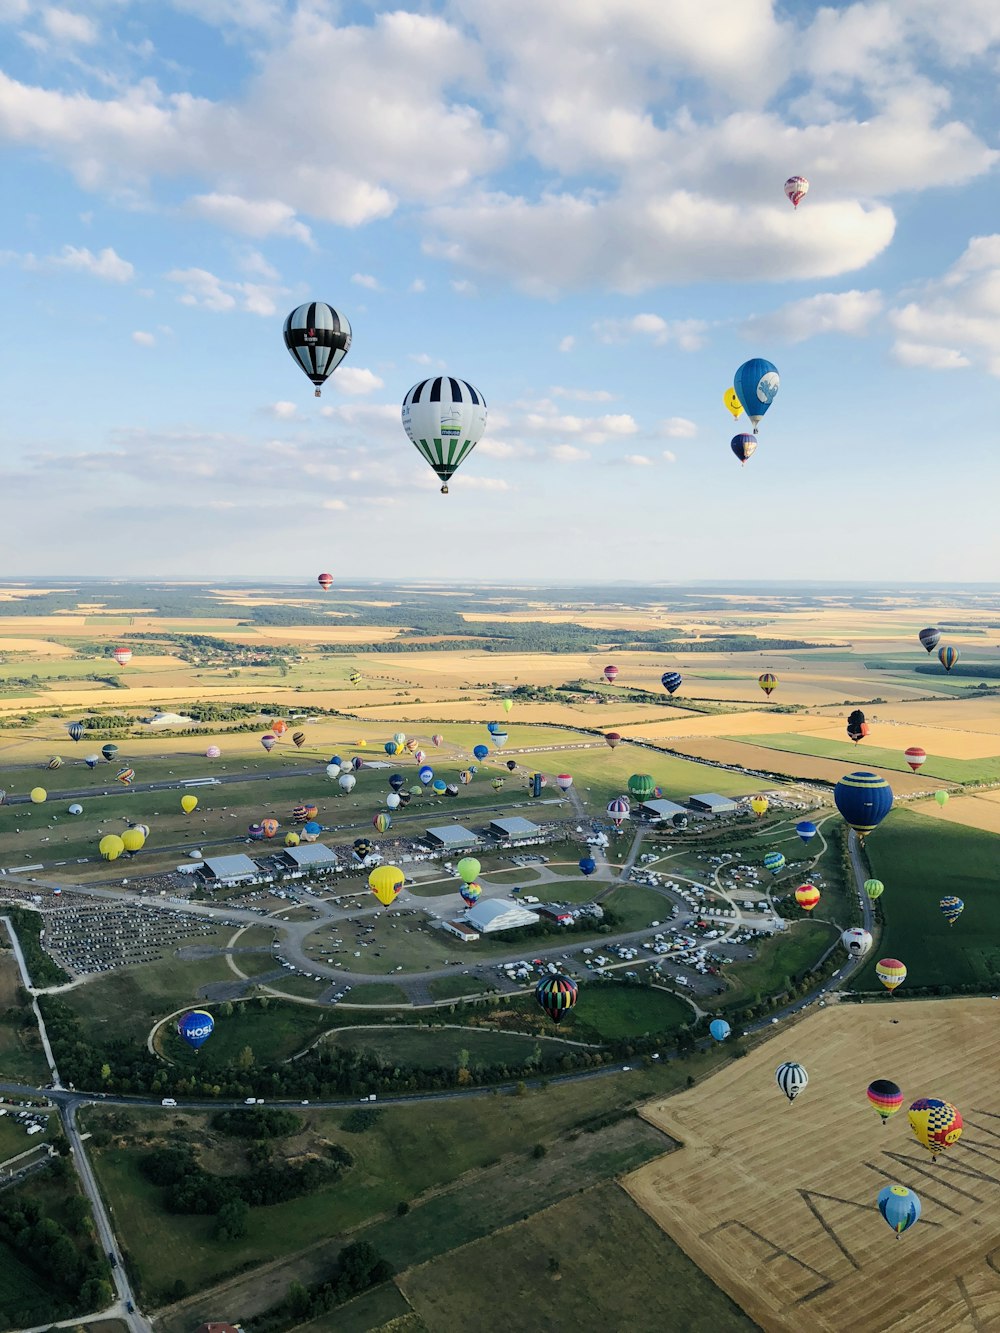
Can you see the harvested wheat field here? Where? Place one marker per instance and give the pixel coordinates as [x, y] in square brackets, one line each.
[792, 765]
[776, 1201]
[980, 811]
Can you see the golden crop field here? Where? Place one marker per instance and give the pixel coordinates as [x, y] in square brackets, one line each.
[795, 765]
[980, 811]
[776, 1201]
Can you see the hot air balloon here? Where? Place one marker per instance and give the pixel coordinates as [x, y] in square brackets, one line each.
[587, 865]
[318, 338]
[508, 704]
[807, 896]
[133, 840]
[385, 882]
[499, 739]
[951, 909]
[333, 771]
[392, 801]
[126, 776]
[411, 748]
[806, 830]
[930, 638]
[863, 800]
[355, 678]
[671, 681]
[759, 805]
[54, 762]
[213, 752]
[556, 994]
[109, 751]
[481, 752]
[611, 674]
[347, 782]
[948, 657]
[298, 739]
[494, 727]
[891, 972]
[733, 404]
[497, 784]
[195, 1027]
[768, 682]
[612, 738]
[511, 765]
[915, 756]
[874, 888]
[471, 893]
[77, 731]
[445, 419]
[857, 941]
[256, 832]
[291, 839]
[437, 740]
[269, 742]
[400, 738]
[857, 727]
[885, 1096]
[303, 812]
[442, 788]
[382, 822]
[426, 774]
[756, 384]
[325, 581]
[189, 804]
[92, 760]
[641, 786]
[796, 189]
[311, 830]
[743, 446]
[791, 1078]
[123, 656]
[899, 1206]
[279, 727]
[468, 869]
[775, 862]
[397, 781]
[111, 846]
[38, 795]
[564, 781]
[361, 744]
[941, 797]
[75, 809]
[719, 1029]
[618, 811]
[270, 827]
[936, 1124]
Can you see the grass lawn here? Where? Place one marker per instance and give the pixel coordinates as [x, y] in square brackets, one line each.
[130, 1001]
[255, 937]
[920, 861]
[778, 957]
[377, 992]
[563, 1269]
[370, 1311]
[14, 1140]
[255, 964]
[604, 1010]
[441, 1047]
[580, 890]
[453, 988]
[636, 906]
[21, 1056]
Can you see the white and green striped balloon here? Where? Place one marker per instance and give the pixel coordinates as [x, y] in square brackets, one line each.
[445, 419]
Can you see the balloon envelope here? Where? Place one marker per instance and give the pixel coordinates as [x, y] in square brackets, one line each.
[756, 384]
[951, 909]
[857, 941]
[719, 1029]
[38, 795]
[891, 972]
[796, 189]
[195, 1027]
[481, 751]
[671, 681]
[915, 756]
[189, 803]
[743, 446]
[806, 830]
[899, 1206]
[863, 800]
[587, 865]
[385, 882]
[732, 403]
[807, 896]
[768, 682]
[874, 888]
[936, 1124]
[468, 869]
[930, 638]
[948, 657]
[556, 994]
[885, 1096]
[445, 418]
[791, 1078]
[775, 862]
[318, 338]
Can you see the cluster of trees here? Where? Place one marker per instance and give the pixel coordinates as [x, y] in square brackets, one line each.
[359, 1266]
[261, 1122]
[63, 1254]
[28, 927]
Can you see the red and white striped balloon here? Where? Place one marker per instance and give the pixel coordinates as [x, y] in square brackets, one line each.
[915, 756]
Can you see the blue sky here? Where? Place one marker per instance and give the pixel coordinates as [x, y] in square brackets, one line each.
[578, 207]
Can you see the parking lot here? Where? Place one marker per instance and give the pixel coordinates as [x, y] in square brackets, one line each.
[92, 939]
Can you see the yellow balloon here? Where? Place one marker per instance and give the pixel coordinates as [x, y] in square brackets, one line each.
[133, 840]
[759, 804]
[385, 882]
[733, 403]
[189, 803]
[38, 795]
[111, 846]
[291, 840]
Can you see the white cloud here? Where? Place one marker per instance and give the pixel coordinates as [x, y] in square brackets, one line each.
[468, 481]
[494, 448]
[366, 280]
[548, 421]
[356, 380]
[284, 410]
[251, 217]
[582, 395]
[107, 265]
[567, 453]
[637, 460]
[142, 339]
[688, 334]
[955, 320]
[202, 288]
[567, 344]
[417, 286]
[678, 428]
[254, 263]
[63, 25]
[828, 312]
[463, 287]
[669, 456]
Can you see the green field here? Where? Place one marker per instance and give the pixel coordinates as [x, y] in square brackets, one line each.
[637, 906]
[14, 1140]
[921, 860]
[378, 992]
[866, 755]
[25, 1298]
[563, 1269]
[604, 1011]
[442, 1048]
[21, 1057]
[453, 988]
[778, 957]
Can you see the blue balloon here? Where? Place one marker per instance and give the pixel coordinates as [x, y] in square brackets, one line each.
[336, 759]
[864, 800]
[671, 681]
[426, 774]
[494, 728]
[588, 865]
[899, 1206]
[397, 781]
[195, 1027]
[92, 761]
[313, 828]
[481, 751]
[391, 748]
[719, 1029]
[806, 830]
[756, 384]
[440, 786]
